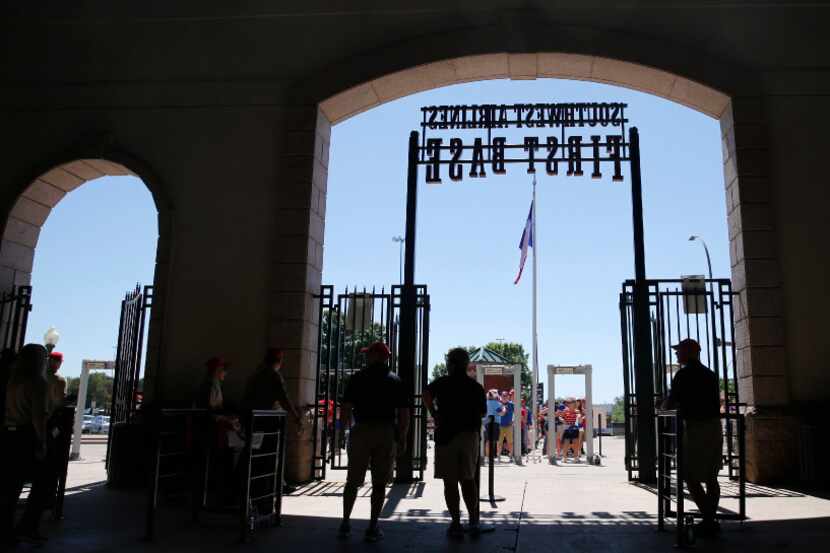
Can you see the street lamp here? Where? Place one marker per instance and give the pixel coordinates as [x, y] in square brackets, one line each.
[50, 339]
[400, 240]
[697, 238]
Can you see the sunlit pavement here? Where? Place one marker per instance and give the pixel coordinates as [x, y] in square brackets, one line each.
[546, 508]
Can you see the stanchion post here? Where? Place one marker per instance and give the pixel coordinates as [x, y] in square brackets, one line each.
[599, 431]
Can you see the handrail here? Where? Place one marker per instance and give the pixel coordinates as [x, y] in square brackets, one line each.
[267, 438]
[670, 461]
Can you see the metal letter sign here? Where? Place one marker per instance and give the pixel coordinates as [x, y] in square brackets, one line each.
[561, 138]
[556, 144]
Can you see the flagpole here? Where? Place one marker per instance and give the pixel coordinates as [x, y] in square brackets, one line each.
[535, 353]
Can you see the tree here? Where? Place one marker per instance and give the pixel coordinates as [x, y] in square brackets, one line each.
[618, 411]
[98, 390]
[515, 354]
[439, 370]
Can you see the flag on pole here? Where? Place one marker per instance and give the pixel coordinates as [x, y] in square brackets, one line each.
[526, 242]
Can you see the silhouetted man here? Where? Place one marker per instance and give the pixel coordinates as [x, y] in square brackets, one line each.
[376, 397]
[457, 403]
[695, 394]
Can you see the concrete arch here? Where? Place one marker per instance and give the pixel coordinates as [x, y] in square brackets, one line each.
[44, 191]
[503, 65]
[36, 201]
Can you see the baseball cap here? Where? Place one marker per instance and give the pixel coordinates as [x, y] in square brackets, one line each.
[215, 363]
[377, 348]
[272, 355]
[56, 355]
[687, 344]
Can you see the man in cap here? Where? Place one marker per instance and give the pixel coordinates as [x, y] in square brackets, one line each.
[695, 394]
[457, 403]
[55, 450]
[377, 399]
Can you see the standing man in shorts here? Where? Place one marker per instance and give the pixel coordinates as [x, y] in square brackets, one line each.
[506, 423]
[457, 403]
[695, 394]
[378, 400]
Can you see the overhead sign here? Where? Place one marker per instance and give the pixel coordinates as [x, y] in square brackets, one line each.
[94, 365]
[562, 138]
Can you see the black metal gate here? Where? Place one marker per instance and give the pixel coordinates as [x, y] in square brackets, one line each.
[348, 322]
[703, 313]
[134, 310]
[15, 307]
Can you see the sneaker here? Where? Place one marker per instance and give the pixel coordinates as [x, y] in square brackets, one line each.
[345, 530]
[373, 534]
[455, 530]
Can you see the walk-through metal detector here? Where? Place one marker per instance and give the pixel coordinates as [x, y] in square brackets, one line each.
[585, 370]
[482, 371]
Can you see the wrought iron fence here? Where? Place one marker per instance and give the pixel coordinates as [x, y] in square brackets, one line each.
[349, 322]
[705, 314]
[15, 307]
[129, 349]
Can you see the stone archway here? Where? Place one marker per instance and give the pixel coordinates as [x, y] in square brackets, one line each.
[754, 258]
[33, 207]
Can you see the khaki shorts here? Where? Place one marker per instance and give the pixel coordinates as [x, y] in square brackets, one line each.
[371, 446]
[506, 432]
[458, 459]
[702, 449]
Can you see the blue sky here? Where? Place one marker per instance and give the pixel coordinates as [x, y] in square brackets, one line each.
[100, 240]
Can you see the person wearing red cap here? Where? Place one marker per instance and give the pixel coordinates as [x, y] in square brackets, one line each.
[695, 393]
[57, 383]
[377, 399]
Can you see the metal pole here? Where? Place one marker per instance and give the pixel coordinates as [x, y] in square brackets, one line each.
[534, 244]
[407, 343]
[644, 375]
[77, 428]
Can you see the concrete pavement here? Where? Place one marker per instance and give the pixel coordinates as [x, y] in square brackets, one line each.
[547, 508]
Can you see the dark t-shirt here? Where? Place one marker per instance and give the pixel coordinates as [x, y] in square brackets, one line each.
[695, 392]
[264, 388]
[460, 403]
[375, 394]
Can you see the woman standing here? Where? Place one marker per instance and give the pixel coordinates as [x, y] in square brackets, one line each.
[23, 441]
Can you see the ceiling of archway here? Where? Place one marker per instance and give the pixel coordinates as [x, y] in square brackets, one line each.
[524, 66]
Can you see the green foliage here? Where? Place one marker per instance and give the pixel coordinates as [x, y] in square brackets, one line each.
[515, 353]
[618, 411]
[438, 371]
[99, 389]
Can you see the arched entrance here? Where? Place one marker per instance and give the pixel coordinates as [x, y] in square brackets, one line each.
[42, 194]
[742, 190]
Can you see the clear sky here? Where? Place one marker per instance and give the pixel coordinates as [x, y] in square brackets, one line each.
[100, 240]
[468, 231]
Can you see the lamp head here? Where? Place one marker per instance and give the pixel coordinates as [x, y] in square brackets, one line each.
[51, 337]
[693, 237]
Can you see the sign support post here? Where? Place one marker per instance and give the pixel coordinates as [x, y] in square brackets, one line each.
[643, 371]
[409, 310]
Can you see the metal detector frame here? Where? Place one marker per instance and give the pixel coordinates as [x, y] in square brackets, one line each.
[516, 371]
[586, 371]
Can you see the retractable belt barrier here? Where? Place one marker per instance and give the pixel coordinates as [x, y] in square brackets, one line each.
[491, 437]
[181, 463]
[671, 472]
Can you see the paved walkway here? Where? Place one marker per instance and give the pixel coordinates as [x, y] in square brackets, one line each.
[571, 508]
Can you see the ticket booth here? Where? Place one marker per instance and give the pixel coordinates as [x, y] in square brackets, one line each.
[585, 370]
[505, 377]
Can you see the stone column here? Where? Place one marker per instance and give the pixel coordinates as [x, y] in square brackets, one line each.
[759, 310]
[298, 247]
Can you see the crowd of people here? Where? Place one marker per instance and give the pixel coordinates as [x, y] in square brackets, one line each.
[569, 428]
[33, 394]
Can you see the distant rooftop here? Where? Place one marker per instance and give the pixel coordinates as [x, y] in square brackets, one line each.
[484, 356]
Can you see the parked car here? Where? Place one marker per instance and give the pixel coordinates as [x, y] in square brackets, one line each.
[101, 424]
[86, 426]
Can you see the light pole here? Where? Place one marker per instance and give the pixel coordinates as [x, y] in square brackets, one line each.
[697, 238]
[400, 240]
